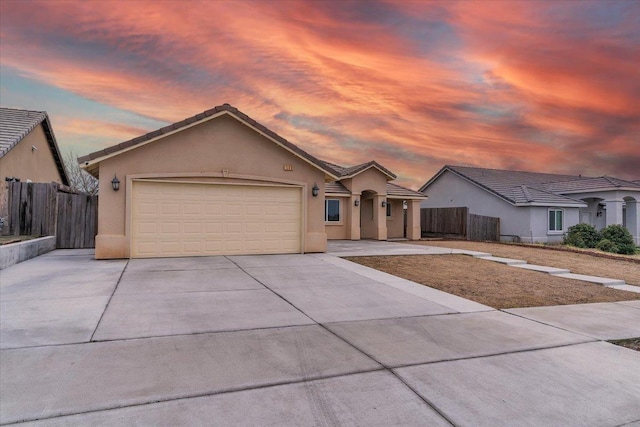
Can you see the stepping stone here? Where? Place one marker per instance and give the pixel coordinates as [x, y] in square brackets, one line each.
[507, 261]
[629, 288]
[472, 253]
[604, 281]
[542, 268]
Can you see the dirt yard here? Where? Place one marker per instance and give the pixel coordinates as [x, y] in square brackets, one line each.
[491, 283]
[580, 263]
[633, 343]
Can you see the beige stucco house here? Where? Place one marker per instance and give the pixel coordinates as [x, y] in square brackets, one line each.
[219, 183]
[28, 152]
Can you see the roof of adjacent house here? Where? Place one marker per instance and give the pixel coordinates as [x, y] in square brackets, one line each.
[16, 124]
[532, 188]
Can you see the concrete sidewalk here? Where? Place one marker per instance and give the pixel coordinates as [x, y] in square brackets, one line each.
[295, 340]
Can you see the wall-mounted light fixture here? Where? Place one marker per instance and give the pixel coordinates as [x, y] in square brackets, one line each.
[357, 202]
[384, 203]
[115, 183]
[315, 190]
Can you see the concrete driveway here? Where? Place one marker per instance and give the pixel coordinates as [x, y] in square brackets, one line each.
[290, 340]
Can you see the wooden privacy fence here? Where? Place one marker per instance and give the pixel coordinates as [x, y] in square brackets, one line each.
[42, 209]
[458, 223]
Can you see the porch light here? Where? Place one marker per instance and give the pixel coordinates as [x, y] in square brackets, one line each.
[115, 183]
[384, 203]
[357, 202]
[315, 190]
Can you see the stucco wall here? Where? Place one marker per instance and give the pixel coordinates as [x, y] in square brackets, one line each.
[206, 149]
[339, 230]
[452, 191]
[525, 222]
[24, 163]
[370, 215]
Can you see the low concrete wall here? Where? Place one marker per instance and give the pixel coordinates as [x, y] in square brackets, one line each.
[14, 253]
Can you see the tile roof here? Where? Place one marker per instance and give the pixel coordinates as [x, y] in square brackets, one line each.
[349, 171]
[396, 191]
[335, 188]
[589, 184]
[516, 187]
[16, 124]
[194, 119]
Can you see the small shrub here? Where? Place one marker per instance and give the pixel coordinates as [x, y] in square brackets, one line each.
[582, 236]
[627, 249]
[607, 245]
[620, 237]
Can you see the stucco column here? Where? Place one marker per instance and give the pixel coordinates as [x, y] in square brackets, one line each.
[413, 220]
[354, 226]
[380, 217]
[633, 220]
[614, 211]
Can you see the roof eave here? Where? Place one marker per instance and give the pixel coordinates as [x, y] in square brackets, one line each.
[92, 165]
[596, 190]
[390, 175]
[552, 205]
[395, 197]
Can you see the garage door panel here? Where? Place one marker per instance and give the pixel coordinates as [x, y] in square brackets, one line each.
[184, 219]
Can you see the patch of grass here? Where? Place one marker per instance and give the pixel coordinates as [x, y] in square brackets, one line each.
[632, 343]
[491, 283]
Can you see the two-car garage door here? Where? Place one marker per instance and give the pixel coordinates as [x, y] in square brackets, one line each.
[172, 219]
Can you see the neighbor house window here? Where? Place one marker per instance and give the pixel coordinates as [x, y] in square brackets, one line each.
[332, 210]
[388, 209]
[555, 219]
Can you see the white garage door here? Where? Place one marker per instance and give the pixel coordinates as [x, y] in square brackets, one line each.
[186, 219]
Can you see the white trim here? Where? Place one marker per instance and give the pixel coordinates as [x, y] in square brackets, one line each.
[562, 229]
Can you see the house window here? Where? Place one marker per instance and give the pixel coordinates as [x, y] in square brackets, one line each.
[555, 219]
[332, 210]
[388, 209]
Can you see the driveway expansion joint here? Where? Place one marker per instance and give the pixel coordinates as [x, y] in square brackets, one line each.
[109, 301]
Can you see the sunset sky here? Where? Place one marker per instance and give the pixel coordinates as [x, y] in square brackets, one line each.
[546, 86]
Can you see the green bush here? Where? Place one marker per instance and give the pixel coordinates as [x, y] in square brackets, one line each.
[607, 245]
[582, 236]
[620, 237]
[627, 249]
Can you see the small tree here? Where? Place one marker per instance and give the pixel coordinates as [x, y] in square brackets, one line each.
[79, 180]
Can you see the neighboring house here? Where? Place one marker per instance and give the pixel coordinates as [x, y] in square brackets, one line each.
[219, 183]
[28, 151]
[536, 207]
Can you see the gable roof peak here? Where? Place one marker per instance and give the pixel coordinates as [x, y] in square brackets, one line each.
[92, 160]
[16, 124]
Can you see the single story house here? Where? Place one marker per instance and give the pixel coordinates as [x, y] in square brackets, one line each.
[220, 183]
[28, 152]
[536, 207]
